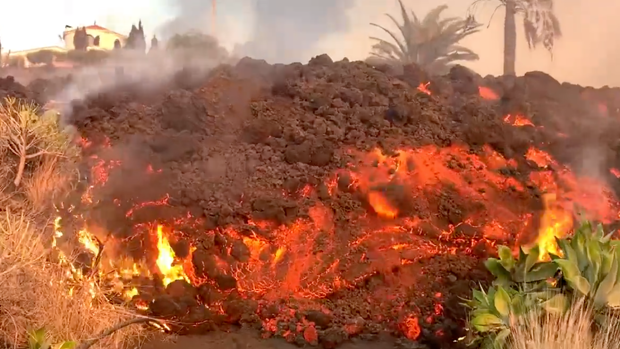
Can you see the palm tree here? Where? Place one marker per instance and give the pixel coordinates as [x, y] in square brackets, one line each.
[431, 43]
[540, 24]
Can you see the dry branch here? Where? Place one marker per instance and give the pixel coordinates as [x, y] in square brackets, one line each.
[28, 135]
[90, 342]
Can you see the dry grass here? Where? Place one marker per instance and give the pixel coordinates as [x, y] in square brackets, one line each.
[573, 330]
[50, 180]
[34, 293]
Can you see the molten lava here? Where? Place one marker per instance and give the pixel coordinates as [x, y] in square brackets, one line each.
[402, 206]
[487, 93]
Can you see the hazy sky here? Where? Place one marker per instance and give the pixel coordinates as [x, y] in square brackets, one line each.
[588, 53]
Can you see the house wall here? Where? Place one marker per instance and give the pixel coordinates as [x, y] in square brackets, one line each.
[106, 38]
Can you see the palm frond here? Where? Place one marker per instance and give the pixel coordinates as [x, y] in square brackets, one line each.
[540, 23]
[430, 42]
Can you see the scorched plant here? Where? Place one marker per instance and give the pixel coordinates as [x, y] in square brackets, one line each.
[28, 135]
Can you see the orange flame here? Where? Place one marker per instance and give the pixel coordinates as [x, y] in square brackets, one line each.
[423, 87]
[166, 258]
[554, 223]
[517, 120]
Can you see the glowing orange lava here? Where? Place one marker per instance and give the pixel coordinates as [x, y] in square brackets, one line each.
[423, 87]
[487, 93]
[517, 120]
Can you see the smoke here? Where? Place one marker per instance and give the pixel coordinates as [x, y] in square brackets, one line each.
[141, 72]
[289, 31]
[281, 31]
[190, 15]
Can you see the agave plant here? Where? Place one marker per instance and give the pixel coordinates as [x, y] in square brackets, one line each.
[522, 286]
[589, 265]
[527, 270]
[494, 310]
[432, 42]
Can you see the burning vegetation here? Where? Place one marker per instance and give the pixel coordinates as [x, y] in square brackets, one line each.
[326, 201]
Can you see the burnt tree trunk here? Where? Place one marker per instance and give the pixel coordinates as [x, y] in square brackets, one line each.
[510, 39]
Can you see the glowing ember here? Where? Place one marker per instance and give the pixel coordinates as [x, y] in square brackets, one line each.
[487, 93]
[540, 158]
[423, 87]
[410, 327]
[615, 172]
[517, 120]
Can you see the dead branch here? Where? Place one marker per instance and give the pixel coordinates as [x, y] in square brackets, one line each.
[90, 342]
[27, 135]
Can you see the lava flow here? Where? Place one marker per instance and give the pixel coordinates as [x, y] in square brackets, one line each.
[241, 272]
[341, 202]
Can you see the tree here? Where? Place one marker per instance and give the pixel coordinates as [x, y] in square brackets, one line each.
[154, 45]
[540, 25]
[431, 43]
[80, 39]
[136, 40]
[29, 136]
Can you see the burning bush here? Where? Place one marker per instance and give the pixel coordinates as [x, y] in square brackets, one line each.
[36, 293]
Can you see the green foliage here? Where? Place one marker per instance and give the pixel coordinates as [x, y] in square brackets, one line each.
[494, 310]
[588, 269]
[590, 265]
[431, 43]
[38, 340]
[527, 269]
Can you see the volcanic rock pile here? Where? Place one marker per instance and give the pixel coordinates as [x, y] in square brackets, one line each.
[276, 195]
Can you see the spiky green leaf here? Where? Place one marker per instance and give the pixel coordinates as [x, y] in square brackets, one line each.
[607, 285]
[502, 302]
[486, 322]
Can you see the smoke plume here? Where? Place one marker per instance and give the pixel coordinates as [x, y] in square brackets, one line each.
[288, 31]
[282, 31]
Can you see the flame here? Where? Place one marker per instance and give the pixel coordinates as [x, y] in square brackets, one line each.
[166, 258]
[423, 87]
[381, 205]
[555, 222]
[517, 120]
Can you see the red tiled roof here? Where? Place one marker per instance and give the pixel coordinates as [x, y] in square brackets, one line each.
[94, 27]
[97, 27]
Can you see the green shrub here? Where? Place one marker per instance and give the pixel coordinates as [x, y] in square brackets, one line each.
[587, 270]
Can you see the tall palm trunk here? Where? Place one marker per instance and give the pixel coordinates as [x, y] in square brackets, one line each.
[510, 38]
